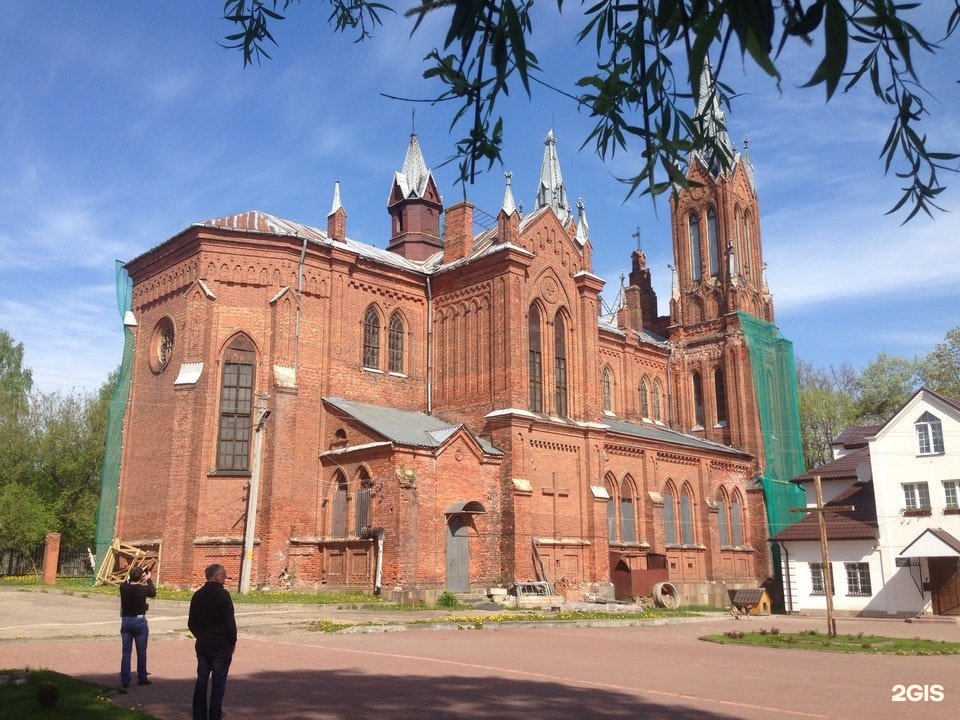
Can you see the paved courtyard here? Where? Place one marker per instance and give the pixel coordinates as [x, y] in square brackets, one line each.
[283, 672]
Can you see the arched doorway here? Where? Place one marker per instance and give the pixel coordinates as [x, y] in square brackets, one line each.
[458, 543]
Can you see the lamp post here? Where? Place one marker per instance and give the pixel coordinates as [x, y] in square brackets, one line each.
[251, 524]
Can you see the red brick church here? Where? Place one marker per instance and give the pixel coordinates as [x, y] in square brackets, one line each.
[453, 410]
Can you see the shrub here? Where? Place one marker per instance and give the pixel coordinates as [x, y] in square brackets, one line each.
[48, 693]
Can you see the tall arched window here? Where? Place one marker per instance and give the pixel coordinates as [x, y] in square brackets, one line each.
[713, 238]
[606, 389]
[237, 383]
[720, 390]
[723, 521]
[362, 502]
[395, 342]
[696, 261]
[371, 339]
[736, 519]
[628, 513]
[340, 507]
[669, 515]
[644, 399]
[535, 360]
[657, 406]
[698, 400]
[687, 536]
[611, 487]
[745, 251]
[560, 365]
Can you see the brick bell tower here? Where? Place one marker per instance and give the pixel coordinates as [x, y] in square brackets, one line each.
[718, 274]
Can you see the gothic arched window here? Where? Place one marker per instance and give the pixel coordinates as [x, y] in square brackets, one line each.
[644, 399]
[696, 261]
[628, 513]
[720, 390]
[657, 408]
[237, 383]
[340, 507]
[560, 366]
[371, 339]
[713, 239]
[698, 400]
[669, 515]
[606, 390]
[687, 536]
[535, 360]
[395, 343]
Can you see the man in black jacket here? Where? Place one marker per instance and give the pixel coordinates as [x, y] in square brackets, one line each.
[212, 623]
[134, 592]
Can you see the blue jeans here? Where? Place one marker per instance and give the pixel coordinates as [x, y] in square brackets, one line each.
[215, 666]
[133, 630]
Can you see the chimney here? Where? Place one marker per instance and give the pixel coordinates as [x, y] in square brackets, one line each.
[459, 232]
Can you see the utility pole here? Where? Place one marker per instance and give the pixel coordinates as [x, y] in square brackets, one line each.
[821, 512]
[250, 528]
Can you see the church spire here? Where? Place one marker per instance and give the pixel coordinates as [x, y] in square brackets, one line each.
[718, 153]
[551, 191]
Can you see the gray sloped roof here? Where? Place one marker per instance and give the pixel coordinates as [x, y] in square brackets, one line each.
[662, 434]
[404, 427]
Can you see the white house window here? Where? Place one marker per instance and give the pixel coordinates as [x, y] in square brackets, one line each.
[816, 580]
[951, 493]
[916, 496]
[929, 435]
[858, 578]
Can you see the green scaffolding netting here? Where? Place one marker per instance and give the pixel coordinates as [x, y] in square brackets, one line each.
[778, 400]
[110, 470]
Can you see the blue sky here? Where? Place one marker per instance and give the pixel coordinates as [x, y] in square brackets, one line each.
[121, 125]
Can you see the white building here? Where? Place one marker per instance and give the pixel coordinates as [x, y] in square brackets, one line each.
[897, 553]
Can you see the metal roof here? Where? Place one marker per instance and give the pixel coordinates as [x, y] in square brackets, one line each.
[405, 427]
[857, 524]
[662, 434]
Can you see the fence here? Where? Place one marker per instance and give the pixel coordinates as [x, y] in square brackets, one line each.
[73, 562]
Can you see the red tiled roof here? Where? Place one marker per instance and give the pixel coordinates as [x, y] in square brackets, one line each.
[857, 524]
[856, 436]
[843, 468]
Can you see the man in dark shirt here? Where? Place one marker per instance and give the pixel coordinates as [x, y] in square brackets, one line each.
[133, 623]
[212, 623]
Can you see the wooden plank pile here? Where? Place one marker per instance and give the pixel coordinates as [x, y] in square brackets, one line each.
[120, 558]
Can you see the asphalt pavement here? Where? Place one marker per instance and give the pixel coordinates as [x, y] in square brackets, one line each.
[544, 671]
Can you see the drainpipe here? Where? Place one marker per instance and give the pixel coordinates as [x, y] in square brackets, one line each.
[786, 572]
[429, 348]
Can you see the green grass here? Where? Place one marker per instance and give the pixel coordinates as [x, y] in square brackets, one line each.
[468, 621]
[815, 640]
[66, 698]
[85, 587]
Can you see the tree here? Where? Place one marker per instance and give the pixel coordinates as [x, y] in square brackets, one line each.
[827, 407]
[16, 381]
[650, 55]
[940, 369]
[883, 387]
[24, 518]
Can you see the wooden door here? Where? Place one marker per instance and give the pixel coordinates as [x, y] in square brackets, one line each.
[945, 585]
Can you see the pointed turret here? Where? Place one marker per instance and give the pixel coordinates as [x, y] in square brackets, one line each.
[508, 219]
[415, 206]
[551, 191]
[337, 217]
[582, 234]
